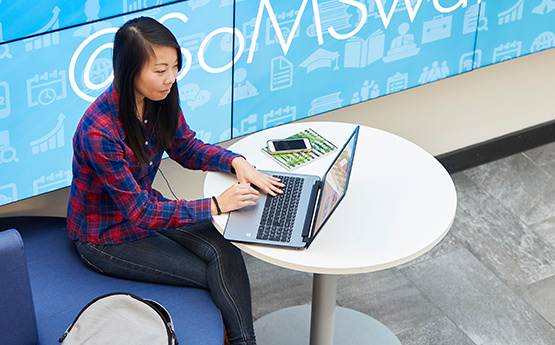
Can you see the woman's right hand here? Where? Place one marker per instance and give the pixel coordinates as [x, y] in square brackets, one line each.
[235, 197]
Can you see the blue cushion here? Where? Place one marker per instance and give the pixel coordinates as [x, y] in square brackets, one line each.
[62, 285]
[17, 315]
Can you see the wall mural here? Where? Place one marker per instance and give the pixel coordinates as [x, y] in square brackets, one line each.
[249, 64]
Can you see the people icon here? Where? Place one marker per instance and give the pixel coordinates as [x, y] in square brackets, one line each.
[444, 69]
[365, 90]
[92, 11]
[436, 72]
[242, 88]
[356, 98]
[402, 46]
[424, 75]
[375, 91]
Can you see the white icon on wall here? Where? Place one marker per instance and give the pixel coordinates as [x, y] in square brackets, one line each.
[242, 88]
[475, 19]
[46, 88]
[5, 47]
[248, 32]
[52, 140]
[248, 124]
[470, 61]
[46, 40]
[356, 98]
[226, 43]
[544, 41]
[545, 7]
[360, 52]
[8, 193]
[507, 51]
[204, 136]
[197, 4]
[192, 43]
[193, 95]
[398, 82]
[92, 11]
[286, 21]
[325, 103]
[86, 72]
[434, 72]
[367, 91]
[136, 5]
[321, 58]
[99, 73]
[436, 29]
[332, 14]
[7, 153]
[225, 3]
[53, 181]
[6, 53]
[512, 14]
[281, 73]
[279, 116]
[5, 107]
[402, 46]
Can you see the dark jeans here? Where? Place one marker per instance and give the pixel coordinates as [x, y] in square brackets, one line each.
[196, 256]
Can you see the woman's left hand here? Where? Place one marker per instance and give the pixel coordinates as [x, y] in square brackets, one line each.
[246, 173]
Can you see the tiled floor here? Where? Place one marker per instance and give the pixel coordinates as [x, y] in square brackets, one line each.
[491, 281]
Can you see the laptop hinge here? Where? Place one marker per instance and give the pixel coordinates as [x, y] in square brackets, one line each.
[310, 212]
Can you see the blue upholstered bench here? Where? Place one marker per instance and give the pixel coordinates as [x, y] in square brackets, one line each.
[60, 285]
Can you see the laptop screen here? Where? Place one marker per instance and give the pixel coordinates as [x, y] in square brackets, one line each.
[335, 183]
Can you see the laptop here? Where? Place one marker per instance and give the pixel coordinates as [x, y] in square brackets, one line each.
[294, 218]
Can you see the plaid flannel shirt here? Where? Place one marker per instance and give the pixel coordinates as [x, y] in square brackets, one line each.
[111, 198]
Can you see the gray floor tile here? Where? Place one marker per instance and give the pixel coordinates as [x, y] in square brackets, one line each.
[543, 155]
[546, 229]
[520, 185]
[480, 304]
[442, 332]
[498, 238]
[541, 297]
[550, 168]
[388, 297]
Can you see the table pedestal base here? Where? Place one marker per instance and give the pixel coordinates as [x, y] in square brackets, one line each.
[291, 326]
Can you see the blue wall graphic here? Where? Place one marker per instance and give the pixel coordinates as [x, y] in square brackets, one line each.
[249, 64]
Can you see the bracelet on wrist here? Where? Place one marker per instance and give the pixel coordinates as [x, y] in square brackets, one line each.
[217, 205]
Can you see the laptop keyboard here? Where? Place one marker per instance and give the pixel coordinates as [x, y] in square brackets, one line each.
[280, 211]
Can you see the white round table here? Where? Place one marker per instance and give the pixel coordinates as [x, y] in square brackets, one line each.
[400, 202]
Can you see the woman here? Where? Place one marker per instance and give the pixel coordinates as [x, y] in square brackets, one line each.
[124, 228]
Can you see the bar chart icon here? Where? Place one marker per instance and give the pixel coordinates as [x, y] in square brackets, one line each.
[52, 140]
[46, 40]
[512, 14]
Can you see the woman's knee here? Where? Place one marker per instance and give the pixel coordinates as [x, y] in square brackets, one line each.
[208, 240]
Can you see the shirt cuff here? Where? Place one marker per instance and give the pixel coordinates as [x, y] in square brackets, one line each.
[194, 212]
[227, 159]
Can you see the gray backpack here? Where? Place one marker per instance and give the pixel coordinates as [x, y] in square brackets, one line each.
[121, 319]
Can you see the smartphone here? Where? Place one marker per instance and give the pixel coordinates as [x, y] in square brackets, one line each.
[289, 145]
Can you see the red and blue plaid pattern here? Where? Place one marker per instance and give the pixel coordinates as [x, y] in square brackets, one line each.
[111, 198]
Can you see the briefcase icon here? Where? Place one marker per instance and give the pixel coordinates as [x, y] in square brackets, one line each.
[436, 29]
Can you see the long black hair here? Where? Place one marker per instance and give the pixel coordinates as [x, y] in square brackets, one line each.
[133, 46]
